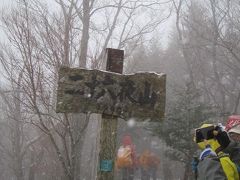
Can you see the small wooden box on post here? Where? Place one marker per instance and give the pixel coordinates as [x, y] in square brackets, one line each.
[140, 95]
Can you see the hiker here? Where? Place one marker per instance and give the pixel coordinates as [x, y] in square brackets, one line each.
[148, 163]
[233, 149]
[126, 158]
[214, 164]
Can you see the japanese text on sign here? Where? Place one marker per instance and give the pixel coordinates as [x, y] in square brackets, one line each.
[137, 95]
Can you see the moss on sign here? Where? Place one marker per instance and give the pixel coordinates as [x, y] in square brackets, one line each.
[140, 95]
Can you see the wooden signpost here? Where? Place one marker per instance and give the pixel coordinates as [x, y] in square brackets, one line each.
[140, 96]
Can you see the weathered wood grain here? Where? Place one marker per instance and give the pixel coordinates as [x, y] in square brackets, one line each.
[140, 95]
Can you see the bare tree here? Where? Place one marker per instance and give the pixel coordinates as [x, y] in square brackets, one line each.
[199, 41]
[17, 144]
[206, 50]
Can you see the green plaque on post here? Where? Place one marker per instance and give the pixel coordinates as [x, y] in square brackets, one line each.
[106, 165]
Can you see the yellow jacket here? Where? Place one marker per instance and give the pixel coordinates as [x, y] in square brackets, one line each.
[228, 166]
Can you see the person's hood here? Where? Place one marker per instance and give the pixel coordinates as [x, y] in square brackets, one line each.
[235, 129]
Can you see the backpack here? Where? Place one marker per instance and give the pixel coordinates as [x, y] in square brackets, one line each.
[124, 157]
[210, 168]
[233, 150]
[217, 168]
[148, 160]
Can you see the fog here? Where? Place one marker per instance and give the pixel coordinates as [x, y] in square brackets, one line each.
[194, 42]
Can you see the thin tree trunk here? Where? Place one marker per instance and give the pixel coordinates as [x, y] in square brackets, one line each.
[32, 167]
[214, 56]
[187, 172]
[85, 34]
[18, 132]
[79, 118]
[80, 122]
[235, 111]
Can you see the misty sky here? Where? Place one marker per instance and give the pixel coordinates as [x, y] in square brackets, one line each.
[163, 29]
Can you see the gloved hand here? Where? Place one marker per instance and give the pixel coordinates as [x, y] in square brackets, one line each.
[222, 137]
[207, 152]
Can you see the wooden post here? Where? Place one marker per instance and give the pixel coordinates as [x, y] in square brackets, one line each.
[108, 133]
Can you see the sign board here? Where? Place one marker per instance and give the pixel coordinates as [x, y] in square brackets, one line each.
[140, 95]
